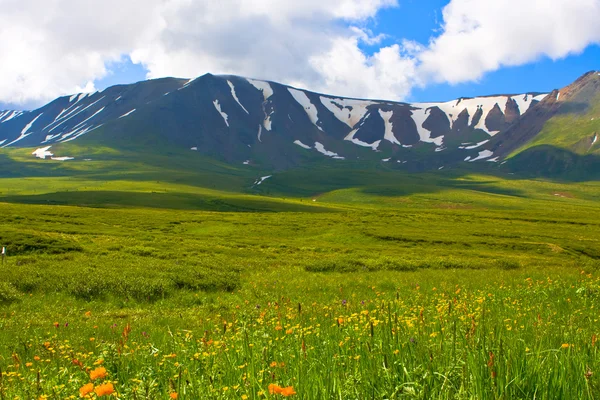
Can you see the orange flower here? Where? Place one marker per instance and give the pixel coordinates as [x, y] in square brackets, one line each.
[98, 373]
[86, 389]
[285, 392]
[88, 314]
[288, 391]
[105, 389]
[565, 345]
[274, 389]
[174, 395]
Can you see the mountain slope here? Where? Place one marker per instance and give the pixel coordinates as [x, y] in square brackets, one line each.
[558, 136]
[248, 121]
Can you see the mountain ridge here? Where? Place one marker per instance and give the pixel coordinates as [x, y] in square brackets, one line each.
[263, 122]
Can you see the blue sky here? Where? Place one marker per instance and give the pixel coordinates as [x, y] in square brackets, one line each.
[466, 48]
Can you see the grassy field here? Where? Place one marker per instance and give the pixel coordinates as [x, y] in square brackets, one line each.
[364, 283]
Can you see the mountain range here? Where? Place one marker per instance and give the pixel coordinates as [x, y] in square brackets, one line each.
[253, 122]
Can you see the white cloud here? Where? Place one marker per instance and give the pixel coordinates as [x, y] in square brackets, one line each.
[55, 47]
[345, 70]
[58, 46]
[480, 36]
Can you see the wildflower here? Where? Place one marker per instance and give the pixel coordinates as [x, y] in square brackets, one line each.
[276, 389]
[104, 390]
[88, 314]
[173, 395]
[28, 364]
[565, 346]
[36, 358]
[244, 397]
[98, 373]
[56, 324]
[86, 389]
[288, 391]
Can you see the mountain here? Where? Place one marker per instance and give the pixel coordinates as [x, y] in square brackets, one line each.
[559, 136]
[253, 122]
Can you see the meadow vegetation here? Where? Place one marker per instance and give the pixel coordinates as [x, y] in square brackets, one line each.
[313, 285]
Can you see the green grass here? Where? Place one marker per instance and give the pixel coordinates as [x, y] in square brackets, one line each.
[354, 281]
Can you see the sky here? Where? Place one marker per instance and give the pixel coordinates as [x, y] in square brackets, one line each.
[404, 50]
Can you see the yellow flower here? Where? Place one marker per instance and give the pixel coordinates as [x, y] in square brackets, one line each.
[565, 346]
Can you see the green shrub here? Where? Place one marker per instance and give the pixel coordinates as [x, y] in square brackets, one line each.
[8, 293]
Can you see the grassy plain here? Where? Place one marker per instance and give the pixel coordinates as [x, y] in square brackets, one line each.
[364, 283]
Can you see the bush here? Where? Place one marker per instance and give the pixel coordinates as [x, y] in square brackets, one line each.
[18, 243]
[8, 293]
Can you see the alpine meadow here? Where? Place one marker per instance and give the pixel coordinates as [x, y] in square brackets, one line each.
[225, 237]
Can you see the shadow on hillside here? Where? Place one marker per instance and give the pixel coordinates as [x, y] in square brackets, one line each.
[555, 163]
[573, 107]
[478, 186]
[175, 201]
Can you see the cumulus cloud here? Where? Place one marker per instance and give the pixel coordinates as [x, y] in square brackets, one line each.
[55, 47]
[481, 36]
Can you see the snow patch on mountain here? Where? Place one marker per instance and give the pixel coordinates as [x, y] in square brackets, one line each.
[348, 111]
[127, 114]
[218, 108]
[350, 137]
[268, 123]
[80, 132]
[232, 87]
[523, 102]
[454, 108]
[8, 115]
[420, 116]
[321, 149]
[24, 133]
[309, 108]
[62, 158]
[89, 118]
[261, 180]
[263, 86]
[389, 127]
[69, 116]
[299, 143]
[43, 152]
[482, 156]
[29, 125]
[474, 146]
